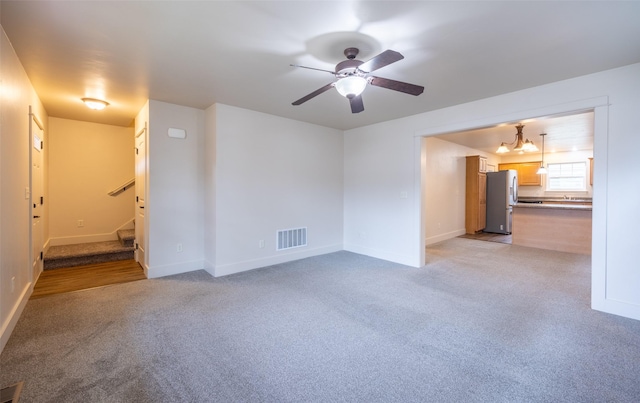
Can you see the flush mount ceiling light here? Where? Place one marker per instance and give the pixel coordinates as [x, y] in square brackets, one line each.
[520, 144]
[96, 104]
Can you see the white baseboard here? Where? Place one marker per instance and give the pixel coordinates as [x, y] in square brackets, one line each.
[10, 323]
[171, 269]
[384, 255]
[237, 267]
[443, 237]
[46, 246]
[614, 307]
[209, 267]
[111, 236]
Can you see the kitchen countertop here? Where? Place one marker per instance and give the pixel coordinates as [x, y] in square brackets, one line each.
[555, 206]
[562, 200]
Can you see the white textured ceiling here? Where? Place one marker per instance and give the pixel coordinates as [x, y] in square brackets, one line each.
[238, 52]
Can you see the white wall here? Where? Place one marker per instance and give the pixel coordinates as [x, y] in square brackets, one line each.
[444, 190]
[271, 174]
[86, 161]
[175, 197]
[372, 204]
[379, 191]
[17, 95]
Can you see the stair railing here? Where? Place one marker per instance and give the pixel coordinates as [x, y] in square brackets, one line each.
[123, 187]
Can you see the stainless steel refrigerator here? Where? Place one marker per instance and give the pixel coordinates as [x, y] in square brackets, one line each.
[502, 194]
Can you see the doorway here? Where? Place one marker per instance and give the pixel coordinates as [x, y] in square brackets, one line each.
[600, 107]
[446, 202]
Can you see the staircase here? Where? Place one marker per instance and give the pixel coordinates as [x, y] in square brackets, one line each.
[91, 253]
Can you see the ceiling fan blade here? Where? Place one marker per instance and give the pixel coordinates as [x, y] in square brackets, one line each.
[383, 59]
[356, 104]
[407, 88]
[313, 94]
[312, 68]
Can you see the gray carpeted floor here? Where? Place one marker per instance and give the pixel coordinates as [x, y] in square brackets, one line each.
[481, 322]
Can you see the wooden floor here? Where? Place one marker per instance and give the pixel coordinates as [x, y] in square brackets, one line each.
[77, 278]
[487, 236]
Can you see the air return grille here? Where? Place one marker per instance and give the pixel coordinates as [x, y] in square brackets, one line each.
[291, 238]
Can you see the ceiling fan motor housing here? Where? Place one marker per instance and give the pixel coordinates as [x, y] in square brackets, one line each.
[347, 67]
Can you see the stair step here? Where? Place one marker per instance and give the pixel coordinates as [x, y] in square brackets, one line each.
[127, 236]
[86, 253]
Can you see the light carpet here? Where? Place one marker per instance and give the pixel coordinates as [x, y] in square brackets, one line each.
[480, 322]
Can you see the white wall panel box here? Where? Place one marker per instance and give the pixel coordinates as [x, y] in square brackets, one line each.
[177, 133]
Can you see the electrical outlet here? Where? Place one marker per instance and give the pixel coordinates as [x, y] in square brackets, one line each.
[261, 243]
[80, 223]
[179, 247]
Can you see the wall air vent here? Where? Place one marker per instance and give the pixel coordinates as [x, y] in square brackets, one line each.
[291, 238]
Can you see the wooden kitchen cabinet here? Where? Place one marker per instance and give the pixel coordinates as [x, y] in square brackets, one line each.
[527, 172]
[476, 194]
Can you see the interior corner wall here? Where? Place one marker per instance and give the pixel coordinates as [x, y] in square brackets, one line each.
[376, 168]
[16, 282]
[175, 180]
[272, 174]
[379, 191]
[210, 189]
[86, 161]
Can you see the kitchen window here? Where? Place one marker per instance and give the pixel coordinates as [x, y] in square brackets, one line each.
[567, 176]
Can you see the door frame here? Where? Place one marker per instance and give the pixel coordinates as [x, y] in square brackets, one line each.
[600, 107]
[35, 273]
[145, 255]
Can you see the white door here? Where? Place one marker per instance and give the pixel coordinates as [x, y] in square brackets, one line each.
[141, 176]
[37, 197]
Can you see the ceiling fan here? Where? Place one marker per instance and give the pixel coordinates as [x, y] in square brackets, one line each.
[353, 77]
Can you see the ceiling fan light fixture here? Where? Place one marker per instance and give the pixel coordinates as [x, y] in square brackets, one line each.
[95, 104]
[351, 86]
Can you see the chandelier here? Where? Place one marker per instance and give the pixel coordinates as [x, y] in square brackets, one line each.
[521, 145]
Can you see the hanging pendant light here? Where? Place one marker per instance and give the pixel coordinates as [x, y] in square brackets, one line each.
[542, 170]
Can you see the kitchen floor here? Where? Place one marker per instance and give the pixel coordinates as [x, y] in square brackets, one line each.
[488, 236]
